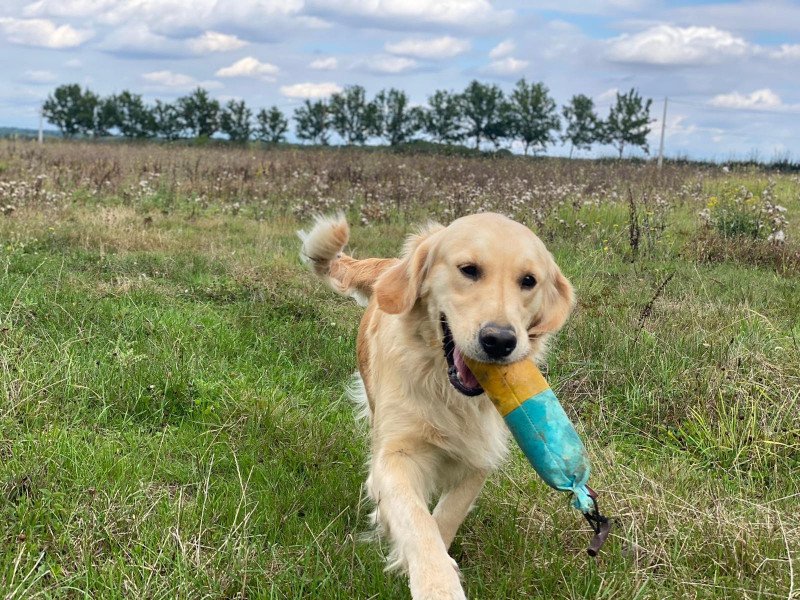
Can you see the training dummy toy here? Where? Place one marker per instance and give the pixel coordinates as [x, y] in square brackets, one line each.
[544, 433]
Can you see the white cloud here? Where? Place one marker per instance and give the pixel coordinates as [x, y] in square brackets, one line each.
[395, 13]
[313, 22]
[250, 67]
[177, 81]
[310, 90]
[436, 48]
[745, 15]
[676, 125]
[669, 45]
[171, 15]
[180, 16]
[44, 33]
[68, 8]
[602, 8]
[169, 79]
[609, 95]
[502, 49]
[764, 99]
[213, 41]
[39, 76]
[388, 64]
[204, 13]
[137, 39]
[507, 66]
[786, 52]
[328, 63]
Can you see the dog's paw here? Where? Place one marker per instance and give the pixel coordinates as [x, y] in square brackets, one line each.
[440, 581]
[438, 593]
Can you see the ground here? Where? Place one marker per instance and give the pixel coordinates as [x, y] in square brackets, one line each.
[173, 421]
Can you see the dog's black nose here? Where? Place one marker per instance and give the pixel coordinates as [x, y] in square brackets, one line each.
[497, 341]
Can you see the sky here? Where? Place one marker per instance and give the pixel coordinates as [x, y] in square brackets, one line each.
[731, 69]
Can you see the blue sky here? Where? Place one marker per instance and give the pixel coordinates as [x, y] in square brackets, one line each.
[729, 68]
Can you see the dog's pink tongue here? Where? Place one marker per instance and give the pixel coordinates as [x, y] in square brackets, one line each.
[464, 374]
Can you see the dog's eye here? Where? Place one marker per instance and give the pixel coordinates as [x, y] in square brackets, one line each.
[470, 271]
[527, 282]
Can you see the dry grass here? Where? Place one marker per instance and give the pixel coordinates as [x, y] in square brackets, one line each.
[299, 182]
[169, 429]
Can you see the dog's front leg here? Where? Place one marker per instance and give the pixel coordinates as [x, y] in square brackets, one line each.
[400, 479]
[456, 502]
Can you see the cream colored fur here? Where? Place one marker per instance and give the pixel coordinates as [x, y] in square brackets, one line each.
[428, 441]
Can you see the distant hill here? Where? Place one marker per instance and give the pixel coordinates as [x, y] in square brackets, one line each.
[21, 132]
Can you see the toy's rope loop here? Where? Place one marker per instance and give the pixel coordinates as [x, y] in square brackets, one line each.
[594, 517]
[599, 524]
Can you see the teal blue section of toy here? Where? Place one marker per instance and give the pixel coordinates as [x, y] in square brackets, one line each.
[551, 444]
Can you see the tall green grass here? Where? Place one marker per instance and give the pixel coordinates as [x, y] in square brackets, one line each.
[173, 421]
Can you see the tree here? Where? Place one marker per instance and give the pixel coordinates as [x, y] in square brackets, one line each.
[272, 125]
[442, 120]
[393, 118]
[75, 111]
[482, 106]
[235, 121]
[200, 113]
[101, 115]
[501, 127]
[167, 120]
[71, 109]
[61, 108]
[628, 121]
[132, 117]
[351, 116]
[313, 121]
[583, 128]
[532, 115]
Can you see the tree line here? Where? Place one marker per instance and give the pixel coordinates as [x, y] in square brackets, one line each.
[481, 113]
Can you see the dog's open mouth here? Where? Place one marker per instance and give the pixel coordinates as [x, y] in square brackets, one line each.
[458, 372]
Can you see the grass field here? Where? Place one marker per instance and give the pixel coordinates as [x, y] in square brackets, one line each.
[172, 415]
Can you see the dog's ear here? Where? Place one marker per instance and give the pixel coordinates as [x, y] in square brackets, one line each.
[398, 288]
[556, 305]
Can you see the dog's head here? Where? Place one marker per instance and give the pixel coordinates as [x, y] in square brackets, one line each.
[489, 284]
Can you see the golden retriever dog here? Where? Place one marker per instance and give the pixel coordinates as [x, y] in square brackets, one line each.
[484, 287]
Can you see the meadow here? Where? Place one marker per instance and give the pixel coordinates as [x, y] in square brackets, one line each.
[173, 422]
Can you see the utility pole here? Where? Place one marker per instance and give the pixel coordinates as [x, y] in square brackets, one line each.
[663, 128]
[41, 126]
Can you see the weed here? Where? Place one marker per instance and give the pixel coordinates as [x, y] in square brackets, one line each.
[736, 211]
[172, 416]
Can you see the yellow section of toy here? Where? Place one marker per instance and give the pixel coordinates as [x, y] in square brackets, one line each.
[508, 386]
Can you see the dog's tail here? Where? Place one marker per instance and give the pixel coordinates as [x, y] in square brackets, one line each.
[324, 243]
[322, 251]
